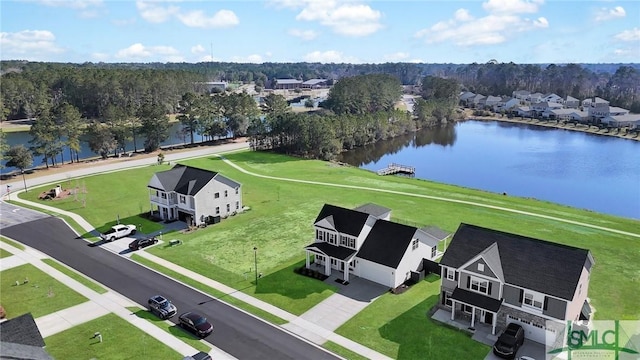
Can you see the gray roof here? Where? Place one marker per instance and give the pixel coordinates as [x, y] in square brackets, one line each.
[338, 252]
[314, 81]
[20, 351]
[346, 221]
[435, 232]
[373, 210]
[288, 81]
[21, 330]
[186, 180]
[539, 265]
[386, 243]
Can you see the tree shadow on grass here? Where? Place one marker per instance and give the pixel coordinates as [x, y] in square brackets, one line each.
[420, 337]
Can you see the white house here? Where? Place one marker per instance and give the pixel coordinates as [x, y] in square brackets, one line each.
[552, 98]
[465, 96]
[541, 108]
[489, 101]
[193, 195]
[534, 98]
[363, 242]
[496, 278]
[506, 104]
[521, 94]
[630, 120]
[559, 114]
[571, 102]
[523, 111]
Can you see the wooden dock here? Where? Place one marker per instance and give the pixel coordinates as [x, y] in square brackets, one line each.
[397, 169]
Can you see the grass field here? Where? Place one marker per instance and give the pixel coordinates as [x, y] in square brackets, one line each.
[41, 295]
[75, 276]
[398, 326]
[4, 253]
[120, 341]
[282, 212]
[12, 243]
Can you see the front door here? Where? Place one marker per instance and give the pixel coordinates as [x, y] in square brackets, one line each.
[487, 317]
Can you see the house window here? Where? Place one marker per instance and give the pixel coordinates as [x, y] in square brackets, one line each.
[434, 251]
[237, 191]
[480, 267]
[228, 207]
[468, 309]
[163, 195]
[343, 240]
[533, 300]
[451, 275]
[446, 299]
[319, 235]
[237, 205]
[414, 244]
[183, 199]
[225, 193]
[216, 195]
[351, 243]
[333, 240]
[217, 210]
[479, 285]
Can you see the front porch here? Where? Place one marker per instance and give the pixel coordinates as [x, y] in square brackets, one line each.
[479, 332]
[324, 257]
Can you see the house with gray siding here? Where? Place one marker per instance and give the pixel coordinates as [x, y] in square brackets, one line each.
[496, 278]
[193, 195]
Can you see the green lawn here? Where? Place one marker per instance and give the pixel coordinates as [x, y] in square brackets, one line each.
[76, 276]
[398, 326]
[280, 221]
[171, 328]
[41, 295]
[4, 253]
[16, 245]
[344, 352]
[120, 341]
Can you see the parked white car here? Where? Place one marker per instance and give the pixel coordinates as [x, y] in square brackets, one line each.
[118, 231]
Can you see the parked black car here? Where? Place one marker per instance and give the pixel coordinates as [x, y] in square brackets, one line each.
[196, 323]
[140, 243]
[509, 341]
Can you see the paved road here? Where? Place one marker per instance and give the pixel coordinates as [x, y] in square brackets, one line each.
[237, 333]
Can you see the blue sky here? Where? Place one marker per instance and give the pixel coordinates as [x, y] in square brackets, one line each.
[352, 31]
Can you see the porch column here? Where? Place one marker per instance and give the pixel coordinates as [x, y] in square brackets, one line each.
[306, 253]
[473, 316]
[453, 309]
[493, 325]
[346, 271]
[327, 266]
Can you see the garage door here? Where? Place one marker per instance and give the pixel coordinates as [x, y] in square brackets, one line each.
[534, 331]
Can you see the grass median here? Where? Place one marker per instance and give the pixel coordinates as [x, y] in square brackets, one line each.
[75, 276]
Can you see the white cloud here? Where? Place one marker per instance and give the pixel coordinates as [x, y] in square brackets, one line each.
[627, 53]
[303, 34]
[351, 18]
[604, 14]
[72, 4]
[329, 56]
[396, 57]
[154, 13]
[198, 49]
[28, 44]
[137, 52]
[629, 35]
[100, 56]
[500, 24]
[512, 6]
[197, 18]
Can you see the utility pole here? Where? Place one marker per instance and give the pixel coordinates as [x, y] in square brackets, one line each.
[255, 263]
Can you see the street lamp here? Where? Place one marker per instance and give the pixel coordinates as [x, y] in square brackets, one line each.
[255, 263]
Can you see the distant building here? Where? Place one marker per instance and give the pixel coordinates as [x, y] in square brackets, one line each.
[630, 120]
[571, 102]
[287, 84]
[211, 86]
[315, 84]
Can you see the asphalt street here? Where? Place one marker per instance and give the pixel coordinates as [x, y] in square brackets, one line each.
[236, 332]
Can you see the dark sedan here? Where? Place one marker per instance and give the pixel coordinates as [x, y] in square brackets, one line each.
[140, 243]
[196, 323]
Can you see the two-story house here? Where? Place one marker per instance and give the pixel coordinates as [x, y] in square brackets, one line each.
[496, 278]
[193, 195]
[363, 242]
[571, 103]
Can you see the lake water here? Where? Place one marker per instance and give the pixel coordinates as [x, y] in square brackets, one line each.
[582, 170]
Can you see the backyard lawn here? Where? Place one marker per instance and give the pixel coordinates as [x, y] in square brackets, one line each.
[41, 295]
[282, 212]
[120, 341]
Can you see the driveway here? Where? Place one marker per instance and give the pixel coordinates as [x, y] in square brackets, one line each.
[532, 349]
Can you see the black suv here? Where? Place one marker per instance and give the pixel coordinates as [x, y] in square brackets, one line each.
[162, 307]
[509, 341]
[140, 243]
